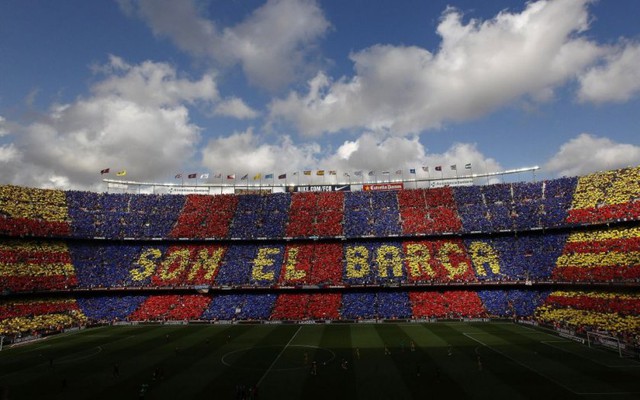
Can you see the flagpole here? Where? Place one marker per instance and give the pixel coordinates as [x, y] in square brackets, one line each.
[485, 171]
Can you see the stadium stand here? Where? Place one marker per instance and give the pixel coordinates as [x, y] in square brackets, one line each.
[562, 252]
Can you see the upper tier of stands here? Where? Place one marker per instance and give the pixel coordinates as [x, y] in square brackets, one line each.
[566, 202]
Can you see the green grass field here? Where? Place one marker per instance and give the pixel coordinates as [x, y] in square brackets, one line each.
[210, 361]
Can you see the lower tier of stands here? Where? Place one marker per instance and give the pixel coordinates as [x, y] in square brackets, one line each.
[612, 312]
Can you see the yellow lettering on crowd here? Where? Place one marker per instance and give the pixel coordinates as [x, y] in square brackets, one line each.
[174, 264]
[357, 261]
[457, 267]
[290, 271]
[263, 261]
[418, 257]
[483, 256]
[147, 262]
[388, 257]
[207, 262]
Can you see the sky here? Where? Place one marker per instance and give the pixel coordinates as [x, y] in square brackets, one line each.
[246, 87]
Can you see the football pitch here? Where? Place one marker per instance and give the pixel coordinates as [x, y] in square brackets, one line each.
[495, 360]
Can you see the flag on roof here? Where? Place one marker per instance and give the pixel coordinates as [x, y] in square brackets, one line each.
[244, 177]
[122, 173]
[358, 173]
[282, 176]
[454, 167]
[333, 173]
[257, 176]
[467, 166]
[269, 176]
[425, 169]
[320, 172]
[439, 168]
[218, 175]
[307, 172]
[412, 170]
[178, 176]
[204, 176]
[192, 176]
[231, 176]
[104, 171]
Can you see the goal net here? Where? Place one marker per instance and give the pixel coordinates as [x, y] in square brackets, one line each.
[599, 340]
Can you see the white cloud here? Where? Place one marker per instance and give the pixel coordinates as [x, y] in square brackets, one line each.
[617, 80]
[274, 45]
[236, 108]
[8, 153]
[479, 67]
[246, 153]
[376, 152]
[587, 153]
[3, 126]
[135, 119]
[153, 84]
[460, 154]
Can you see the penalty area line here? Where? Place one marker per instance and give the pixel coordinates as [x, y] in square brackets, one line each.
[278, 357]
[520, 363]
[586, 357]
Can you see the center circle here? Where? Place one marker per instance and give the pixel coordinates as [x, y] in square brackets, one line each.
[295, 356]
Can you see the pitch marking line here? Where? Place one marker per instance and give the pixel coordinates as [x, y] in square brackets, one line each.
[548, 343]
[224, 361]
[278, 357]
[469, 335]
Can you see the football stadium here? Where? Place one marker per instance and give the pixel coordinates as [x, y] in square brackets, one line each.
[503, 290]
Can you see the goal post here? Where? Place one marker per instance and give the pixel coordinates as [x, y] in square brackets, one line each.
[595, 340]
